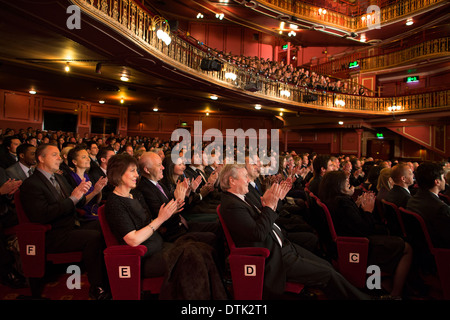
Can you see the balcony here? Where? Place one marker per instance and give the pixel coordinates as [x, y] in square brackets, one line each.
[131, 20]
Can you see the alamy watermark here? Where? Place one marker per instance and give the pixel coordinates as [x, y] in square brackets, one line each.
[233, 153]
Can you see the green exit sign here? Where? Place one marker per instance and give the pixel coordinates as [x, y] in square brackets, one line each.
[353, 64]
[412, 79]
[380, 136]
[285, 47]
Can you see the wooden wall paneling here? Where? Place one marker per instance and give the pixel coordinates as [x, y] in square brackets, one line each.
[16, 106]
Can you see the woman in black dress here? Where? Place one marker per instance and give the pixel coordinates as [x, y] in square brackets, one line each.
[129, 218]
[356, 219]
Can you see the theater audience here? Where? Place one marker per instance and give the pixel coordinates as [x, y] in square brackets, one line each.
[321, 165]
[356, 219]
[8, 155]
[129, 218]
[384, 184]
[253, 227]
[47, 198]
[23, 168]
[79, 160]
[426, 202]
[402, 176]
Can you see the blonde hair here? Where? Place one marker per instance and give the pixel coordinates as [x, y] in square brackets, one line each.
[383, 179]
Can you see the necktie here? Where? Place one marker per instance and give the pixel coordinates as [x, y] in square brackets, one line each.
[57, 186]
[161, 189]
[276, 229]
[30, 172]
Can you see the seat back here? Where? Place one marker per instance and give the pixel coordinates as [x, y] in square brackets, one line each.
[123, 264]
[110, 239]
[20, 212]
[393, 218]
[352, 252]
[441, 255]
[247, 267]
[445, 198]
[31, 237]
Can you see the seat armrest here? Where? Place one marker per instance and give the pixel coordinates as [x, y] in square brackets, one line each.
[251, 251]
[126, 250]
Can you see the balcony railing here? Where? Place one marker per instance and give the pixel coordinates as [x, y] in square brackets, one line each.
[356, 20]
[425, 50]
[135, 22]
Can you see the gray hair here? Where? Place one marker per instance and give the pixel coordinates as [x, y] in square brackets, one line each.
[229, 170]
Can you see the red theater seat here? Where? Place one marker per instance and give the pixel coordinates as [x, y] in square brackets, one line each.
[123, 264]
[31, 237]
[247, 269]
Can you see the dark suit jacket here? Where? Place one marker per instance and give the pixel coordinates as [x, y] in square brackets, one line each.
[95, 173]
[250, 228]
[6, 159]
[42, 204]
[15, 172]
[436, 215]
[398, 196]
[172, 228]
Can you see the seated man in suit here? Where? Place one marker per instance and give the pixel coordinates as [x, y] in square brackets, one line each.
[23, 168]
[321, 165]
[403, 177]
[155, 195]
[8, 154]
[98, 171]
[297, 228]
[253, 227]
[426, 202]
[47, 198]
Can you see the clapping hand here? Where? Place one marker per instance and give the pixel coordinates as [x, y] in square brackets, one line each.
[271, 196]
[10, 186]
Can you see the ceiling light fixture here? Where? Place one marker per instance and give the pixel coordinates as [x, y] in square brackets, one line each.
[214, 97]
[122, 101]
[403, 120]
[220, 16]
[98, 68]
[101, 101]
[258, 107]
[199, 16]
[341, 122]
[124, 78]
[409, 22]
[32, 92]
[67, 67]
[155, 109]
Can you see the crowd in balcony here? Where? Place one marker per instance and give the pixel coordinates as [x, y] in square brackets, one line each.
[123, 172]
[298, 76]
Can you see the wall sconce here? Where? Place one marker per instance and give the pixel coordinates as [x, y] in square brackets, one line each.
[162, 28]
[230, 75]
[393, 109]
[339, 103]
[219, 16]
[285, 93]
[67, 67]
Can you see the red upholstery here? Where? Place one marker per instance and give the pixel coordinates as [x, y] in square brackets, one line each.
[352, 252]
[31, 237]
[445, 198]
[398, 216]
[246, 259]
[123, 264]
[441, 255]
